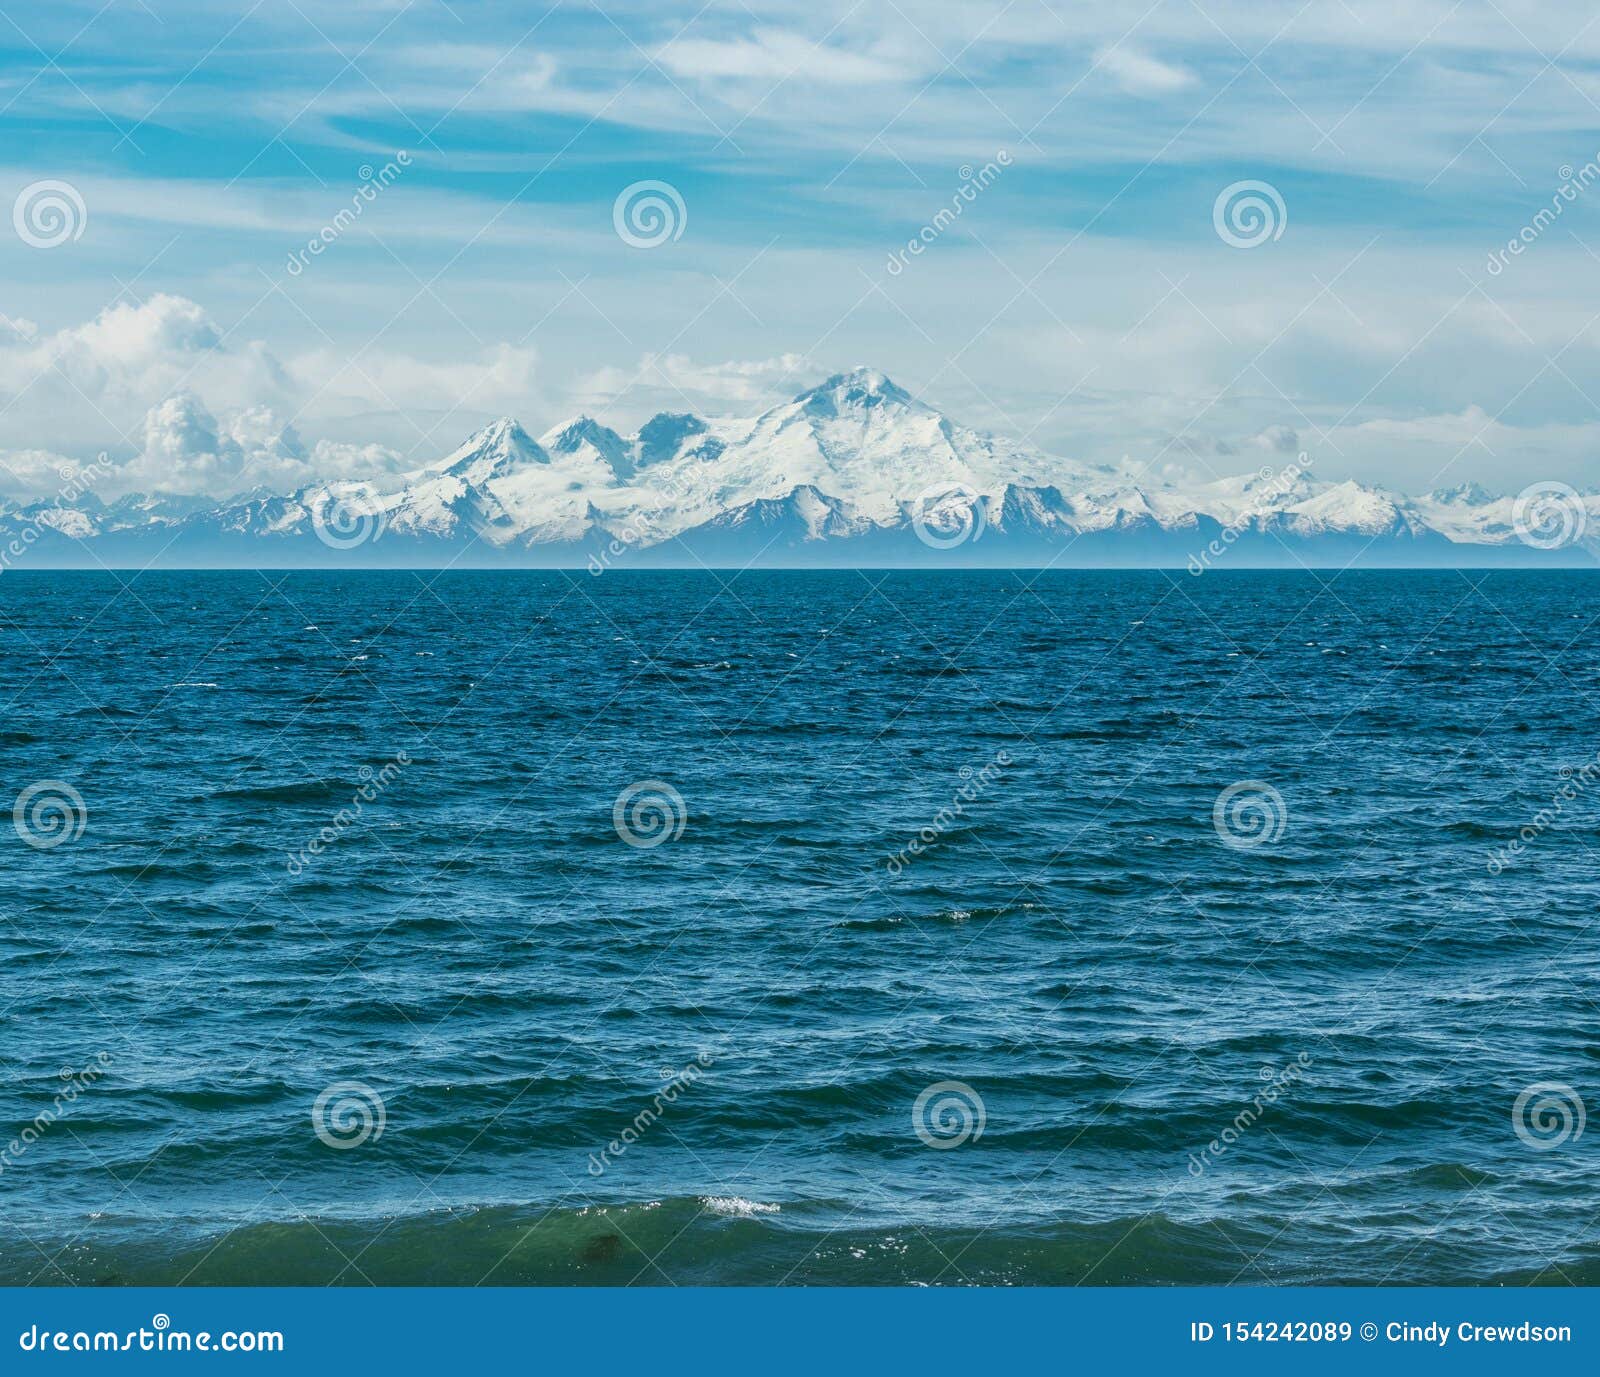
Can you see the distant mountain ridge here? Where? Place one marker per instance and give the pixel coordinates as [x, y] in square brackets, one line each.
[853, 472]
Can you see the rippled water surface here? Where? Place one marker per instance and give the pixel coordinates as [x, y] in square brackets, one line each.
[935, 828]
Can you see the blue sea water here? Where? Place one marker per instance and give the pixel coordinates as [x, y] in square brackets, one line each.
[944, 966]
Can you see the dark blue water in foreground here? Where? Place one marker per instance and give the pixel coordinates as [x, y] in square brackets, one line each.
[359, 829]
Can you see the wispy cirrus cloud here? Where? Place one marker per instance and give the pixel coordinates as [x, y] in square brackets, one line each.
[772, 55]
[1140, 74]
[1084, 300]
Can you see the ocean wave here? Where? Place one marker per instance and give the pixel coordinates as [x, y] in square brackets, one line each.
[731, 1240]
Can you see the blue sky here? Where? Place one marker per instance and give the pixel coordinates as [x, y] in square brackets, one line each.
[1083, 297]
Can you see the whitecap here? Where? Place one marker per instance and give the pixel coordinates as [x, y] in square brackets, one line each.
[736, 1206]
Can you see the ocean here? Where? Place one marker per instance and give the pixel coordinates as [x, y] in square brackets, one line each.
[799, 928]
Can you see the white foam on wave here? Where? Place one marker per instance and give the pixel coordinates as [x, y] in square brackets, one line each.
[736, 1206]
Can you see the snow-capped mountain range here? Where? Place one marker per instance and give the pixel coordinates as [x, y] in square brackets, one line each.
[853, 472]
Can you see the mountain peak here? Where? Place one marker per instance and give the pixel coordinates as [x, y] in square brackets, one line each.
[1465, 494]
[860, 388]
[870, 378]
[501, 447]
[584, 430]
[505, 428]
[505, 435]
[569, 435]
[664, 433]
